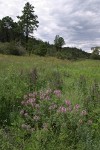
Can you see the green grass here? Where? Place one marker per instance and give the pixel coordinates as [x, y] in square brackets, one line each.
[78, 81]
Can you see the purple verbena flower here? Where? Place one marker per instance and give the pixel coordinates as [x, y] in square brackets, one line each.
[62, 109]
[52, 107]
[67, 102]
[42, 95]
[57, 93]
[47, 97]
[76, 107]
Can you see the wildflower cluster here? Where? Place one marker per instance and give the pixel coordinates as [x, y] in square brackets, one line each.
[44, 109]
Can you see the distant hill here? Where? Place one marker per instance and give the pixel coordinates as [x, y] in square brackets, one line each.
[42, 48]
[75, 53]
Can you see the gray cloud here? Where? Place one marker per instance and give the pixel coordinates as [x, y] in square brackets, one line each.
[77, 21]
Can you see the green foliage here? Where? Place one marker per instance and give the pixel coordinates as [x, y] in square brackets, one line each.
[30, 46]
[67, 118]
[12, 48]
[56, 80]
[95, 53]
[41, 50]
[59, 42]
[9, 30]
[60, 55]
[4, 48]
[6, 26]
[28, 21]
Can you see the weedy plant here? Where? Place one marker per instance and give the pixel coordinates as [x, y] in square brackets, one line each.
[45, 111]
[56, 81]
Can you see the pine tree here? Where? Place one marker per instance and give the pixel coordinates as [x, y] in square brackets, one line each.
[28, 21]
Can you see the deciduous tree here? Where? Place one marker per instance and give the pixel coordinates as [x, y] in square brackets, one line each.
[59, 42]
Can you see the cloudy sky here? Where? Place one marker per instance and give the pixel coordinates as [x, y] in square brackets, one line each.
[77, 21]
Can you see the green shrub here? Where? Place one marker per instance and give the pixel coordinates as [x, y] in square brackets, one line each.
[95, 56]
[60, 55]
[12, 48]
[15, 49]
[41, 50]
[4, 48]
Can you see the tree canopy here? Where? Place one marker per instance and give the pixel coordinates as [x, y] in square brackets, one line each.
[28, 21]
[59, 42]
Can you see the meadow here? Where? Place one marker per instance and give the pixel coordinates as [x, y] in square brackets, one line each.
[49, 104]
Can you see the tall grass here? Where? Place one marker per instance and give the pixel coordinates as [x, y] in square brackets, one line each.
[79, 83]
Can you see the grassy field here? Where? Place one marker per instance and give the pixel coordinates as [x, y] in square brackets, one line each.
[73, 123]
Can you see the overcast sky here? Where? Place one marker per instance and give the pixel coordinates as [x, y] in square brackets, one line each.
[77, 21]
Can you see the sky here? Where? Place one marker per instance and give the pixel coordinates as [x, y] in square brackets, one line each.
[77, 21]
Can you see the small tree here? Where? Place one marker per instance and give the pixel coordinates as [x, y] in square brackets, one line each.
[28, 21]
[59, 42]
[95, 53]
[6, 29]
[41, 50]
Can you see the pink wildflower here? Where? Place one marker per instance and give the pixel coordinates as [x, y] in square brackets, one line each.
[76, 107]
[62, 109]
[30, 101]
[47, 97]
[68, 103]
[42, 95]
[57, 93]
[52, 107]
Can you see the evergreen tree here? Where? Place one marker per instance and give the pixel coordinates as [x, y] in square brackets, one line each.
[6, 26]
[28, 21]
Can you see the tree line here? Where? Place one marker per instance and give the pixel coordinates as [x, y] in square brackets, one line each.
[20, 33]
[27, 23]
